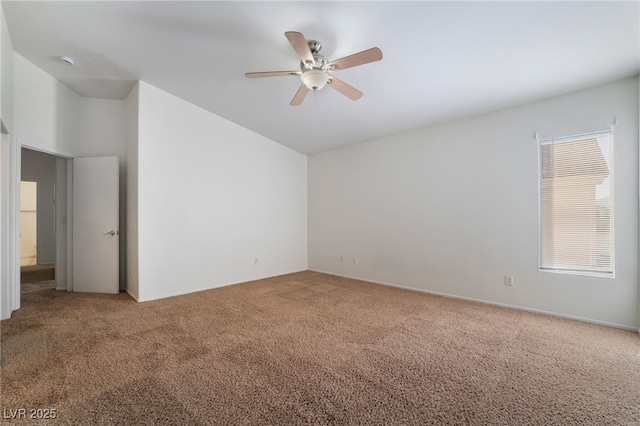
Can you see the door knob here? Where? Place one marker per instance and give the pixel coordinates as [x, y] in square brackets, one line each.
[112, 233]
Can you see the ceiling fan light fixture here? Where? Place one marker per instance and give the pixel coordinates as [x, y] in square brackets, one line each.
[315, 79]
[316, 71]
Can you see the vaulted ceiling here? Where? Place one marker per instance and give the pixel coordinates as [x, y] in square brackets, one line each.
[442, 60]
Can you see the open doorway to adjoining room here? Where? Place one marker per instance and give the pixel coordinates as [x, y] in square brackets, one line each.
[42, 212]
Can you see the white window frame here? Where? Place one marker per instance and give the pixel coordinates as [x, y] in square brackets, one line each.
[564, 138]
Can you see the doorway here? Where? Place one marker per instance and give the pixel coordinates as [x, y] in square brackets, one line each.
[33, 276]
[38, 236]
[28, 223]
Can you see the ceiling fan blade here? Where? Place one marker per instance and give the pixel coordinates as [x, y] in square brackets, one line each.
[361, 58]
[342, 87]
[270, 74]
[299, 96]
[301, 47]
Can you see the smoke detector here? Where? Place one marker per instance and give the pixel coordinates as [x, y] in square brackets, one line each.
[67, 61]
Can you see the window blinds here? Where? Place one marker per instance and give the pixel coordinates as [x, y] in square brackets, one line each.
[576, 203]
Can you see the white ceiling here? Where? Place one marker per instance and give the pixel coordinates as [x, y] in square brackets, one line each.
[442, 60]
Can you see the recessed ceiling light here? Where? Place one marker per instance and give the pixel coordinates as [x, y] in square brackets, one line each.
[67, 61]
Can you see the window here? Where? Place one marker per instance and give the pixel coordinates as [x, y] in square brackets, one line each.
[576, 204]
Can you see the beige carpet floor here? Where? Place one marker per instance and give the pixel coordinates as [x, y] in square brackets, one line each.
[310, 348]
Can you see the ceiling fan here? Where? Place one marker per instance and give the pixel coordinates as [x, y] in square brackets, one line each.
[316, 71]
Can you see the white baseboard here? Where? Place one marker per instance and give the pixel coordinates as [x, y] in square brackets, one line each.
[488, 302]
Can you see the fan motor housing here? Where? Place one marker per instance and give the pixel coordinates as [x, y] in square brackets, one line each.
[314, 46]
[320, 60]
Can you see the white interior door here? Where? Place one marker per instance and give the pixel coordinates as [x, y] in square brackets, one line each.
[95, 225]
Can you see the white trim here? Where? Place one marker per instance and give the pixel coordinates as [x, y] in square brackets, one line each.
[563, 138]
[5, 223]
[69, 224]
[605, 275]
[14, 204]
[579, 137]
[45, 151]
[487, 302]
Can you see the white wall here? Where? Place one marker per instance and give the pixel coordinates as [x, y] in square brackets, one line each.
[52, 118]
[40, 167]
[43, 108]
[452, 208]
[6, 76]
[132, 193]
[213, 197]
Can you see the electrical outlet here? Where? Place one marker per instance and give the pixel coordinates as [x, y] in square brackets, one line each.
[341, 259]
[508, 280]
[255, 261]
[353, 261]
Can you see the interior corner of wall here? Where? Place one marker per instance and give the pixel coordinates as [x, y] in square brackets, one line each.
[134, 89]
